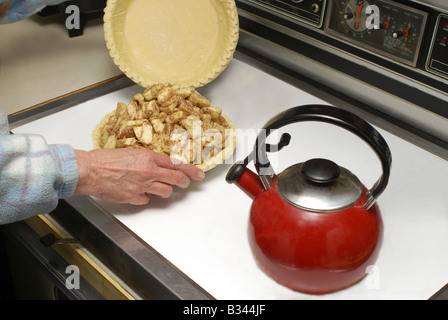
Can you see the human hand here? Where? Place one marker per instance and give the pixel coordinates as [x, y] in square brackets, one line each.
[131, 175]
[4, 6]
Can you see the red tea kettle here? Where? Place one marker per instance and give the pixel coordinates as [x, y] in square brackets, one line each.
[314, 227]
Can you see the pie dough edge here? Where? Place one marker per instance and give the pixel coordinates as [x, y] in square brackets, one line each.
[221, 63]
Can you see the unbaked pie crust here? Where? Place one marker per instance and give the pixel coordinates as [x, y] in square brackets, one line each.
[183, 42]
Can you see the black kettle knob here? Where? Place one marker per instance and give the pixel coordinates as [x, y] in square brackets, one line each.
[321, 171]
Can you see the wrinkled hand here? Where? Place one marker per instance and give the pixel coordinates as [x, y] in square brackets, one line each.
[131, 175]
[4, 6]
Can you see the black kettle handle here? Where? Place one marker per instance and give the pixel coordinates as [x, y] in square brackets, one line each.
[332, 115]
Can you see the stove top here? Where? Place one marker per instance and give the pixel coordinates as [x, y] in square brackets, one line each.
[208, 242]
[283, 61]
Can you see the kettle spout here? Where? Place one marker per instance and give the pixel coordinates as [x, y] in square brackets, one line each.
[245, 179]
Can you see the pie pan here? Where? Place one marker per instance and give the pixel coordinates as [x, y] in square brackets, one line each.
[182, 42]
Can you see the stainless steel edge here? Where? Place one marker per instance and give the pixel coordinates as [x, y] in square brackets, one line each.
[436, 4]
[67, 101]
[136, 262]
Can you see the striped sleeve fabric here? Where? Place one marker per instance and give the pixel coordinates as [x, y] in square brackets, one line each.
[33, 176]
[21, 9]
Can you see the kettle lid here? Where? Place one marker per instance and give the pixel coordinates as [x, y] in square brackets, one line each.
[319, 185]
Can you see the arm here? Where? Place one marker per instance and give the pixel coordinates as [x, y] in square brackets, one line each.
[15, 10]
[4, 6]
[33, 176]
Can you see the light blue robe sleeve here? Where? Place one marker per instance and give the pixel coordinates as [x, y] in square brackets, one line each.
[21, 9]
[34, 176]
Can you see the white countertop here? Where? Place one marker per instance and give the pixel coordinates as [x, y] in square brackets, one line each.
[203, 230]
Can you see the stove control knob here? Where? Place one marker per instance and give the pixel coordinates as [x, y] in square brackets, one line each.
[397, 34]
[405, 32]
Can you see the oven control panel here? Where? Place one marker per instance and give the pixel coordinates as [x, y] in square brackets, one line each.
[409, 37]
[383, 27]
[438, 57]
[307, 11]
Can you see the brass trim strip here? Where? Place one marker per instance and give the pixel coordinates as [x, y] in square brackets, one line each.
[96, 273]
